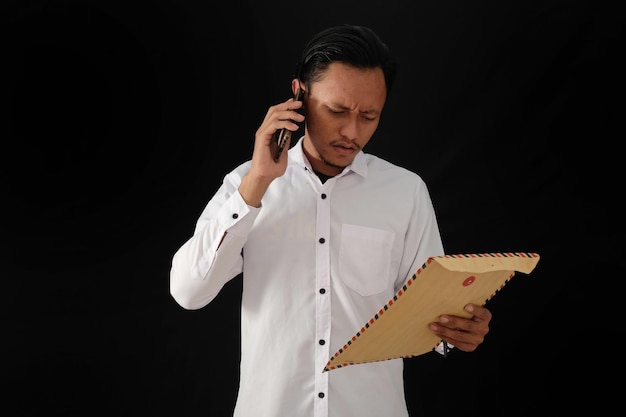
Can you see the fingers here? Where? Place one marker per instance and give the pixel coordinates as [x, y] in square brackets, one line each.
[279, 116]
[479, 313]
[282, 116]
[464, 333]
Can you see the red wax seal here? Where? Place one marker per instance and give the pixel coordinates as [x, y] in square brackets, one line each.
[469, 280]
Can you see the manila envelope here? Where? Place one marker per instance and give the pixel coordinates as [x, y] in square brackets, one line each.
[443, 285]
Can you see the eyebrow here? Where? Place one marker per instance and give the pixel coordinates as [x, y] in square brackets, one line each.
[342, 107]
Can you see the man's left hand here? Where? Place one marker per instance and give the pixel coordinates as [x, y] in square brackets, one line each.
[464, 333]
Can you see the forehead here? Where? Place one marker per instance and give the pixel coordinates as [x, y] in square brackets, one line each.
[361, 86]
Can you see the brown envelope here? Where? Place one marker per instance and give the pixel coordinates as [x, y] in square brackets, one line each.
[443, 285]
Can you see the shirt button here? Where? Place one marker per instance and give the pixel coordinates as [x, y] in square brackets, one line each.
[322, 290]
[235, 215]
[321, 395]
[322, 240]
[323, 196]
[322, 342]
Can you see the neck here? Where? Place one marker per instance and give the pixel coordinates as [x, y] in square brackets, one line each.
[323, 177]
[319, 165]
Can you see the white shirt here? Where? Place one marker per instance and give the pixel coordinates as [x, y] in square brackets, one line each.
[318, 260]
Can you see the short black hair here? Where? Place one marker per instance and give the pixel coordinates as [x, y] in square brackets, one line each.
[358, 46]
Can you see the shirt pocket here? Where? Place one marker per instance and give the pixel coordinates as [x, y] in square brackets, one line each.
[365, 258]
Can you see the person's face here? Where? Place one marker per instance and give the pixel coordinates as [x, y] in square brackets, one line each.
[343, 109]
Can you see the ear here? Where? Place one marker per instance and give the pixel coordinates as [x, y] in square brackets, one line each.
[296, 85]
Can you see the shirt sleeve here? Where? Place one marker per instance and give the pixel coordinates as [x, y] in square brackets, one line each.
[212, 256]
[442, 348]
[422, 239]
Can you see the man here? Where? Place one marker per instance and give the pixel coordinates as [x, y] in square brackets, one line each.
[324, 237]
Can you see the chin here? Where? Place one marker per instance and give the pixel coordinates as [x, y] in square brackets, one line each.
[337, 163]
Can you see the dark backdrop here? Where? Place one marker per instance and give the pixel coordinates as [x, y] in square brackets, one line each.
[119, 119]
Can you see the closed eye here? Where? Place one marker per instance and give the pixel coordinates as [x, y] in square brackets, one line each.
[365, 116]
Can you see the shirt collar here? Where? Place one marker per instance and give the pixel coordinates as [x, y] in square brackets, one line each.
[358, 165]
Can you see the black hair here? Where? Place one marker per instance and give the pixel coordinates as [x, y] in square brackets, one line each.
[358, 46]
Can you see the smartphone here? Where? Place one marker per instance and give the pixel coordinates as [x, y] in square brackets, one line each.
[282, 136]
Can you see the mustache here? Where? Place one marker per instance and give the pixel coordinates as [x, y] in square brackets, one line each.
[346, 144]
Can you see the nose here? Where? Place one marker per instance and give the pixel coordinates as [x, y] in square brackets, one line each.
[350, 128]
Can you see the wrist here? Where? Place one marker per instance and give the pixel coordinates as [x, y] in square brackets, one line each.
[252, 189]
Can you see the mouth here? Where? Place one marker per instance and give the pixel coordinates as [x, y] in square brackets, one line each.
[345, 148]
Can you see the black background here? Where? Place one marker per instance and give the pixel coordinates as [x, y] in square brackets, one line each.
[119, 119]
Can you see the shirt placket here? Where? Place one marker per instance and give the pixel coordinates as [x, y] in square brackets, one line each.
[323, 305]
